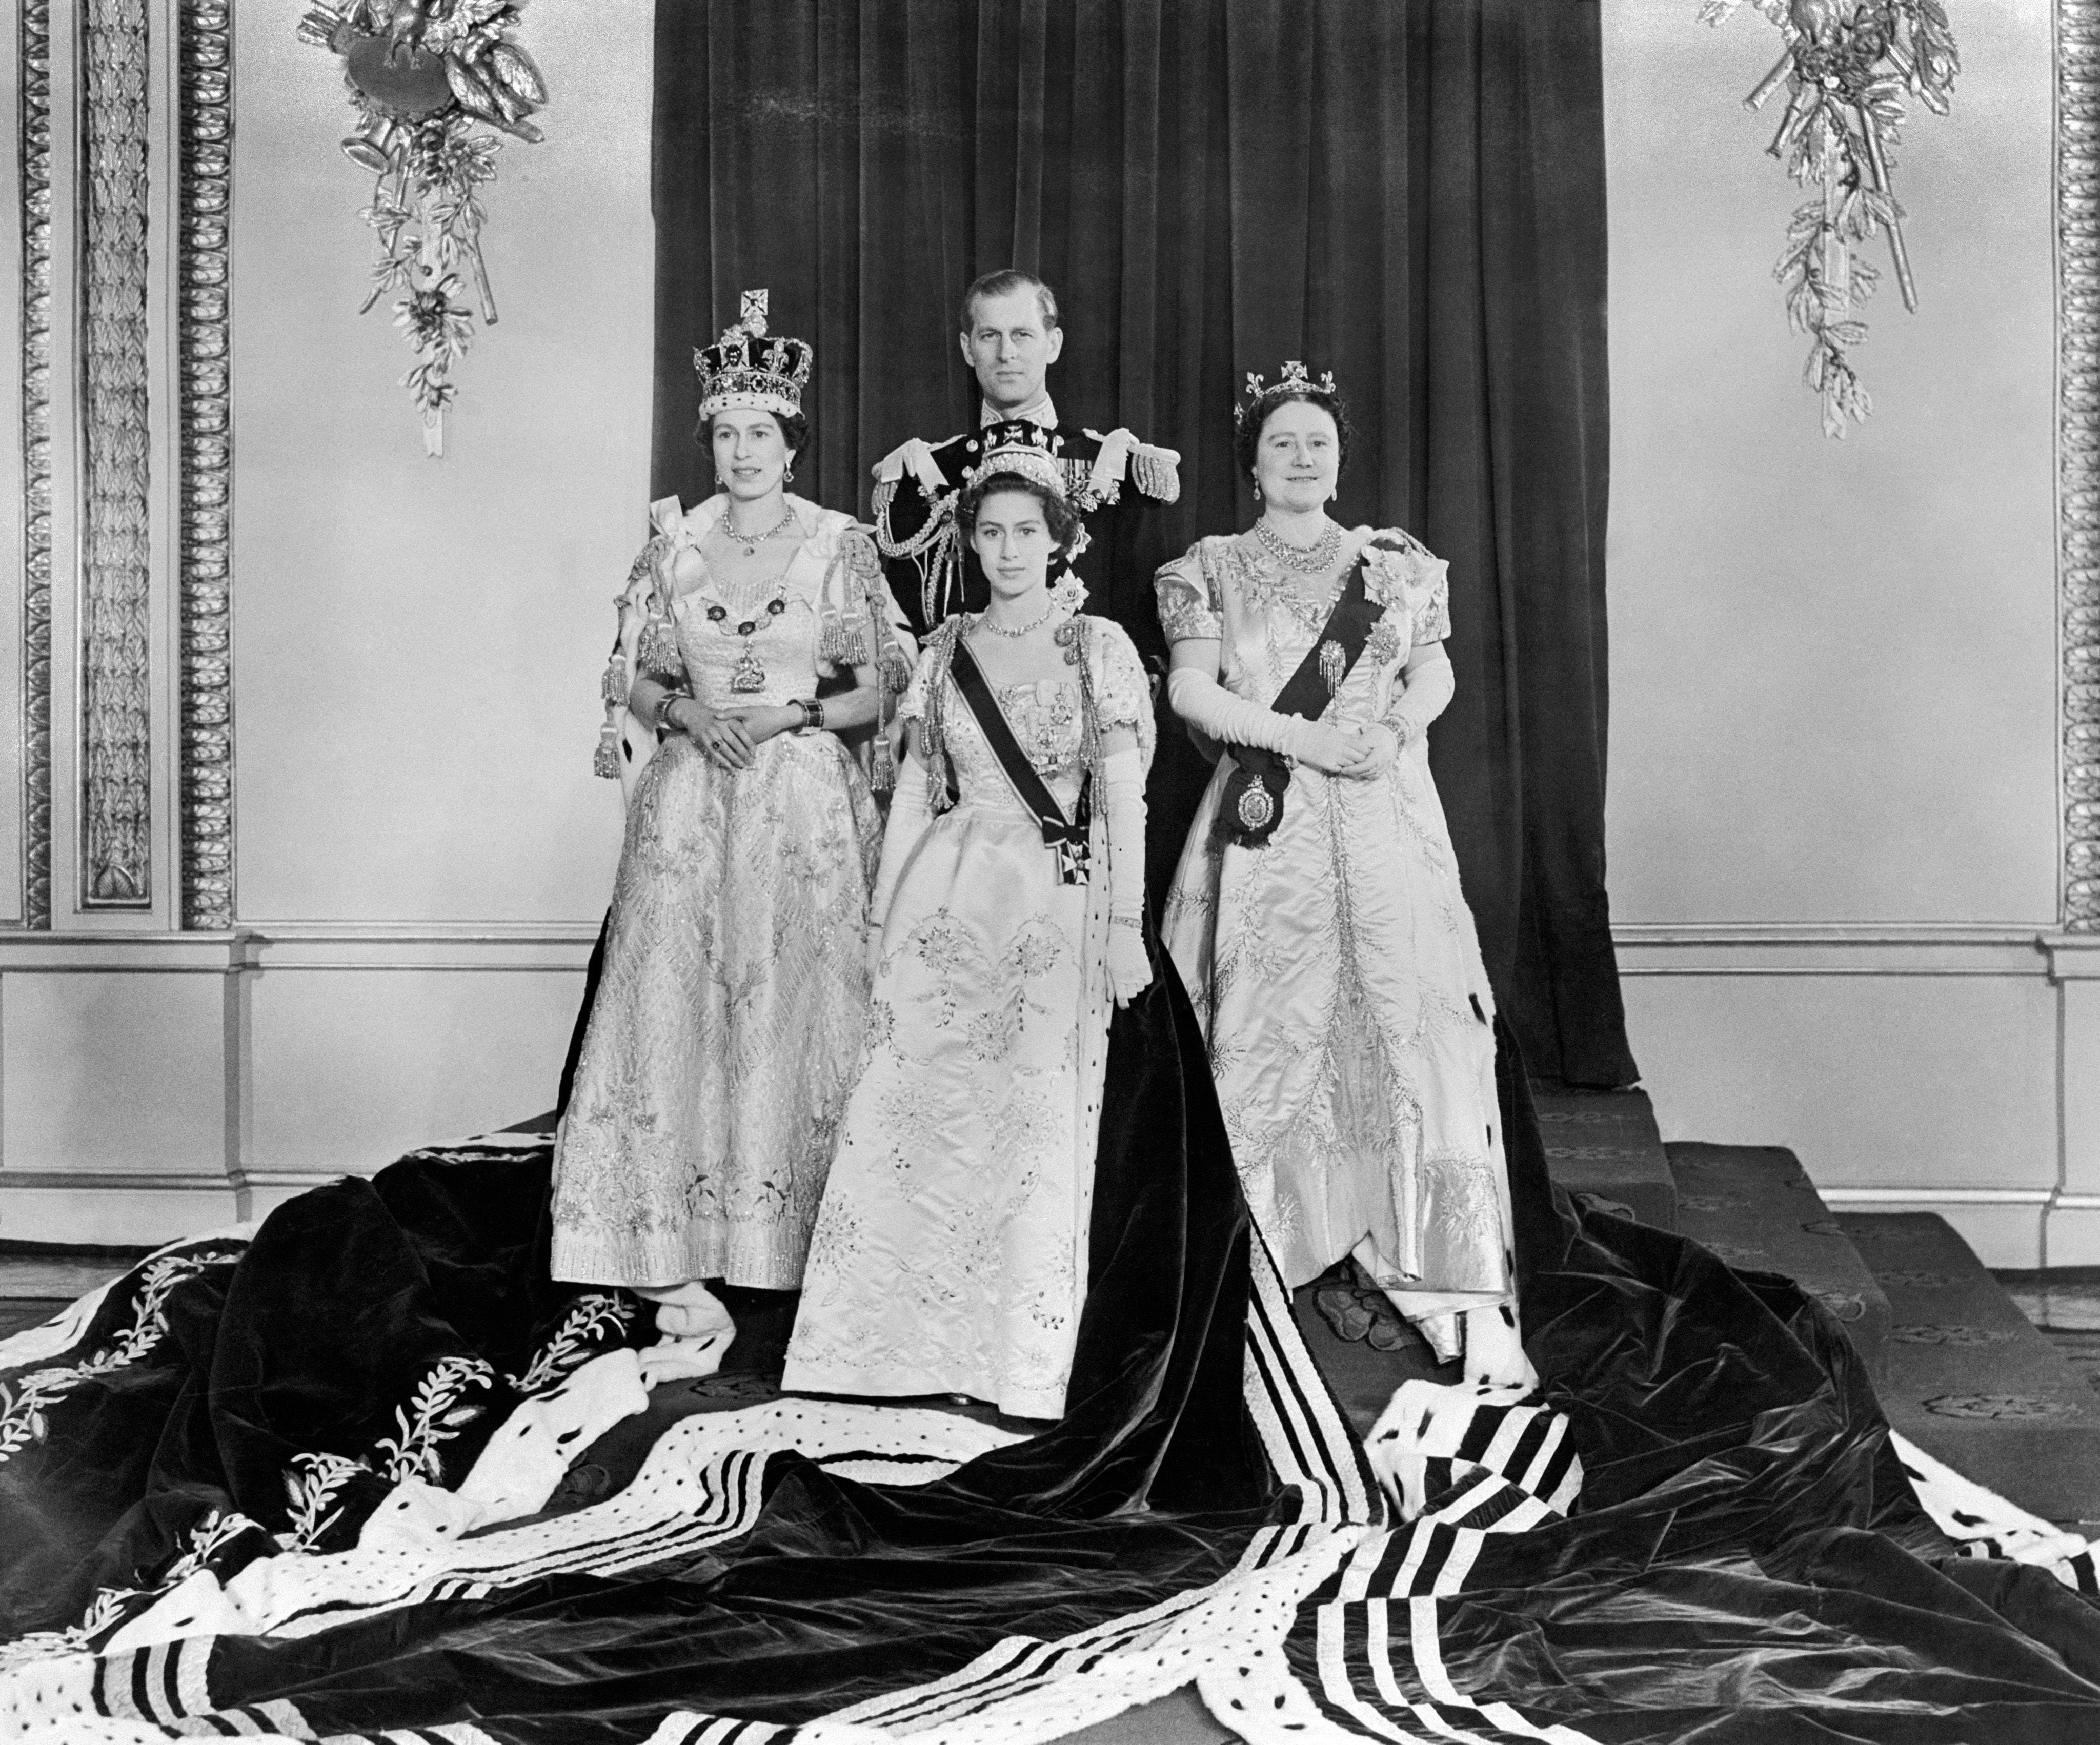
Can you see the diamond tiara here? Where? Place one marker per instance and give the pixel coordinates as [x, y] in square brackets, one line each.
[1293, 377]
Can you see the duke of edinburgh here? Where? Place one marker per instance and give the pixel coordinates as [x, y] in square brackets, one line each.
[1010, 337]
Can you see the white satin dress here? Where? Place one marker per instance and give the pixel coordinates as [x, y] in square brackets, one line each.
[950, 1254]
[727, 1026]
[1336, 969]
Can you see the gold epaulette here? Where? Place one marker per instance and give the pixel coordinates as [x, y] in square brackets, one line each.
[1157, 472]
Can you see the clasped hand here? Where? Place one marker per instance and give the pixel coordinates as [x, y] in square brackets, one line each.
[729, 738]
[1358, 753]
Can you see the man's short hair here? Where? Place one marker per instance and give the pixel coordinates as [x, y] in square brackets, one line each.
[1006, 280]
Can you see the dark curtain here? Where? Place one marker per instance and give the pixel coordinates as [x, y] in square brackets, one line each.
[1409, 193]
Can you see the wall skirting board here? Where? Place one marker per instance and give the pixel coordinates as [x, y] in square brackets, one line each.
[1948, 1069]
[152, 1085]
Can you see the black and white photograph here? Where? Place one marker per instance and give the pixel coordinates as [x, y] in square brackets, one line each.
[990, 871]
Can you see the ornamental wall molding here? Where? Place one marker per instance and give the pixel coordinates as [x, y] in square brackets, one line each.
[115, 635]
[34, 49]
[108, 188]
[2078, 455]
[205, 461]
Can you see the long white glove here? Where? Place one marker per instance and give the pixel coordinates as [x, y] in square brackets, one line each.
[1200, 700]
[1123, 804]
[1428, 692]
[909, 815]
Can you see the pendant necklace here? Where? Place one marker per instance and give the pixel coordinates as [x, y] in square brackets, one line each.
[750, 542]
[748, 677]
[1310, 560]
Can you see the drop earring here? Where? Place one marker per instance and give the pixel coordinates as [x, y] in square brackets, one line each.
[787, 476]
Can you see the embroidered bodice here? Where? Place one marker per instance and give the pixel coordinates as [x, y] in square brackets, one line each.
[766, 637]
[1268, 619]
[1047, 717]
[1044, 716]
[760, 644]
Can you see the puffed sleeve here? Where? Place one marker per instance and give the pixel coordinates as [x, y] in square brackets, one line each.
[1122, 694]
[1429, 597]
[656, 651]
[844, 635]
[912, 706]
[858, 624]
[1188, 603]
[643, 646]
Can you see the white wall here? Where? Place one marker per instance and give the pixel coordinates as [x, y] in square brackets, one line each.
[1833, 820]
[417, 642]
[422, 852]
[1832, 824]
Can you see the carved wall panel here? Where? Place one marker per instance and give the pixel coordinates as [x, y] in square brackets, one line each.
[204, 263]
[35, 62]
[2078, 450]
[116, 668]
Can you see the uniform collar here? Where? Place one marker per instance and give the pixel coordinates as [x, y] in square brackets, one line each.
[1043, 412]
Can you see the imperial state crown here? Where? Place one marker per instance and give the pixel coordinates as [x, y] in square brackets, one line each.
[745, 370]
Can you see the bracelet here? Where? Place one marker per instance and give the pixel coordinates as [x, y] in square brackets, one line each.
[812, 715]
[1135, 921]
[664, 724]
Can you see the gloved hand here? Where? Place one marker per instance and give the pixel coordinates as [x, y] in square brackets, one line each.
[1122, 805]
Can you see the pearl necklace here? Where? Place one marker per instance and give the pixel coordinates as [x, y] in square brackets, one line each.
[1311, 559]
[751, 541]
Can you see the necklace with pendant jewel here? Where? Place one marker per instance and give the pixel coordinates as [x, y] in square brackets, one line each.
[1310, 559]
[750, 542]
[748, 675]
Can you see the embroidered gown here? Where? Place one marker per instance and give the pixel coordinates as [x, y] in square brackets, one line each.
[727, 1025]
[951, 1255]
[1336, 971]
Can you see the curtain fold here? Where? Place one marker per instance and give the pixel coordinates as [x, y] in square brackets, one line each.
[1409, 193]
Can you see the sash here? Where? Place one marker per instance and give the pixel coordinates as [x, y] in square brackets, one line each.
[1068, 837]
[1252, 806]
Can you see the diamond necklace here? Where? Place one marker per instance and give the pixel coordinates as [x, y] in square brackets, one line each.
[1311, 559]
[751, 541]
[1000, 630]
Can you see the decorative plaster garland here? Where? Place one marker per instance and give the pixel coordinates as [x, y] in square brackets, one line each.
[422, 73]
[204, 260]
[35, 42]
[1848, 68]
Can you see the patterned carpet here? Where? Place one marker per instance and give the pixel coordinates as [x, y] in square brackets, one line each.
[2065, 1304]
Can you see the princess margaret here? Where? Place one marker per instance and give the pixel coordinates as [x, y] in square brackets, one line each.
[950, 1256]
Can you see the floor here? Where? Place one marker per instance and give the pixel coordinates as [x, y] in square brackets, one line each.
[37, 1282]
[2064, 1304]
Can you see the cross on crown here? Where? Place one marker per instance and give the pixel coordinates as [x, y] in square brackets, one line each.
[745, 370]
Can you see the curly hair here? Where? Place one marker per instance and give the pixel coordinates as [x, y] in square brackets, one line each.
[1062, 519]
[794, 431]
[1247, 438]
